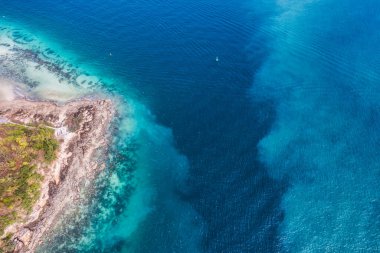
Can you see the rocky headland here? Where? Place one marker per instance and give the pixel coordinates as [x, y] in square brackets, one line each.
[82, 129]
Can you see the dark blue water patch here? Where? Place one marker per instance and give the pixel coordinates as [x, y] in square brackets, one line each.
[167, 51]
[239, 202]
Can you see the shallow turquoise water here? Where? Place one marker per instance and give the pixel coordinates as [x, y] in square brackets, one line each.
[246, 126]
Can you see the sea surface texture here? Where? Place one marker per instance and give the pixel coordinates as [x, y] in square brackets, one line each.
[245, 126]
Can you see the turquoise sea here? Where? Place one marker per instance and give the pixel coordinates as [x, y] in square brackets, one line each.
[244, 126]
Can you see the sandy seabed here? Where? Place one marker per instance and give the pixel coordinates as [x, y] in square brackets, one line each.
[41, 88]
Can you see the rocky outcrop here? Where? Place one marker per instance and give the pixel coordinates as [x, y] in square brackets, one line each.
[82, 127]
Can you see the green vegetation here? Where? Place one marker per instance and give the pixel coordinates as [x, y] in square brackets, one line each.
[22, 149]
[7, 245]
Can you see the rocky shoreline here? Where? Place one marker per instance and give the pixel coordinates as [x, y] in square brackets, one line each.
[82, 127]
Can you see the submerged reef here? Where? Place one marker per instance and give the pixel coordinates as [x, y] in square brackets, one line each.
[55, 130]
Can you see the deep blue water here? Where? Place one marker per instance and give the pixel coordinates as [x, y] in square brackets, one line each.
[271, 148]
